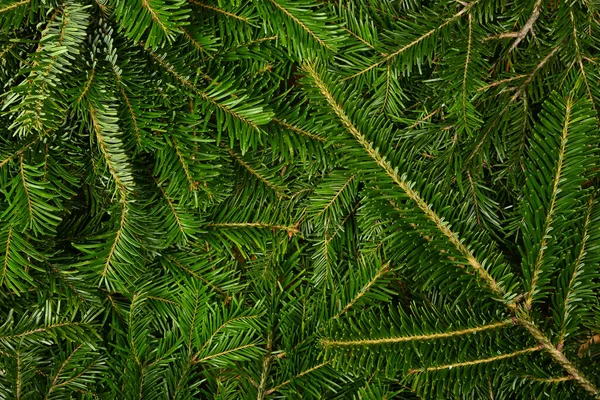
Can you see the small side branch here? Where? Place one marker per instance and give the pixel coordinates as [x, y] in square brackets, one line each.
[524, 31]
[415, 338]
[476, 362]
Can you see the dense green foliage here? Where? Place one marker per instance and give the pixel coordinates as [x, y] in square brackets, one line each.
[361, 199]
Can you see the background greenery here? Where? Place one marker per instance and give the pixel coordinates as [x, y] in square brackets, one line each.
[362, 199]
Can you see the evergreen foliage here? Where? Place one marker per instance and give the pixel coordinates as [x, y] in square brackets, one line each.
[362, 199]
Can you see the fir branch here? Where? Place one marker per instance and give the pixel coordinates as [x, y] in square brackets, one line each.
[387, 86]
[196, 275]
[196, 360]
[193, 324]
[220, 11]
[18, 380]
[185, 166]
[171, 206]
[385, 268]
[299, 130]
[415, 42]
[14, 5]
[533, 73]
[223, 326]
[43, 329]
[87, 86]
[79, 375]
[302, 25]
[116, 240]
[134, 119]
[301, 374]
[360, 39]
[549, 380]
[261, 387]
[422, 120]
[410, 192]
[517, 94]
[571, 286]
[203, 95]
[466, 70]
[191, 39]
[153, 14]
[132, 337]
[292, 230]
[6, 255]
[556, 180]
[26, 189]
[560, 358]
[53, 385]
[336, 195]
[503, 81]
[279, 192]
[475, 200]
[476, 362]
[113, 165]
[421, 186]
[522, 33]
[580, 61]
[415, 338]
